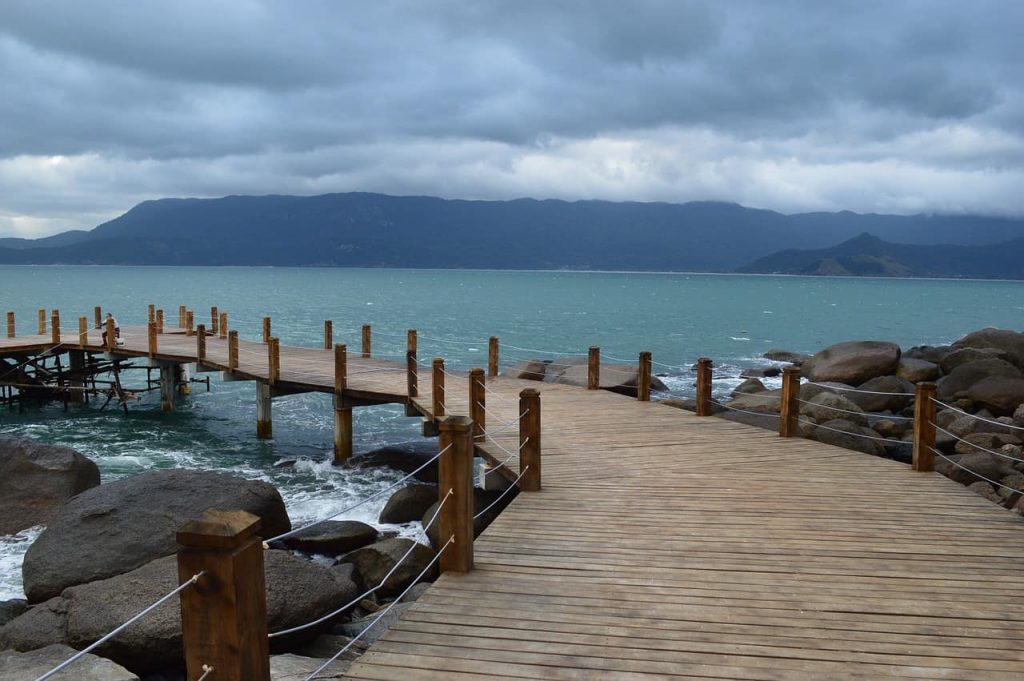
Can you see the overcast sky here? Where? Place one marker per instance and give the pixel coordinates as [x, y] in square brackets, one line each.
[870, 106]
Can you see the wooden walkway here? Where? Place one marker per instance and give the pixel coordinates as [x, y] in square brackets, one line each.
[666, 545]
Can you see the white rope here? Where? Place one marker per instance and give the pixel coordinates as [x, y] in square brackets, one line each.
[207, 670]
[858, 390]
[975, 474]
[390, 572]
[887, 417]
[846, 432]
[483, 384]
[501, 430]
[510, 456]
[978, 447]
[382, 613]
[373, 496]
[745, 411]
[502, 495]
[975, 416]
[671, 366]
[494, 416]
[85, 651]
[499, 446]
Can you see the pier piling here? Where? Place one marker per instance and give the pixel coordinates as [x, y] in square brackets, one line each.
[455, 475]
[789, 409]
[924, 427]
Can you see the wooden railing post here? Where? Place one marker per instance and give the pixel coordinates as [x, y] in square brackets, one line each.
[342, 413]
[594, 368]
[266, 329]
[97, 317]
[55, 327]
[492, 357]
[42, 322]
[643, 378]
[224, 614]
[150, 313]
[273, 360]
[223, 325]
[455, 476]
[10, 324]
[190, 320]
[151, 329]
[367, 338]
[704, 386]
[160, 321]
[411, 371]
[200, 343]
[328, 334]
[83, 331]
[789, 408]
[111, 334]
[924, 427]
[529, 440]
[477, 403]
[182, 314]
[214, 321]
[232, 350]
[437, 387]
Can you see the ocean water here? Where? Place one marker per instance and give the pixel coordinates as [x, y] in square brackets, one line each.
[678, 317]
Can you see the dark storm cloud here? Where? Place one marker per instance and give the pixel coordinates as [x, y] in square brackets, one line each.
[790, 105]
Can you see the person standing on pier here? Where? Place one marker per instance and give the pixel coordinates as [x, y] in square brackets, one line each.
[106, 325]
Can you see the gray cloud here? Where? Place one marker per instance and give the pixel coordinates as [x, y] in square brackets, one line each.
[876, 106]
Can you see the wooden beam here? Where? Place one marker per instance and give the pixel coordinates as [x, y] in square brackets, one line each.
[151, 330]
[83, 332]
[704, 386]
[455, 475]
[529, 440]
[593, 368]
[214, 321]
[160, 321]
[924, 427]
[478, 403]
[412, 388]
[328, 334]
[150, 313]
[789, 411]
[643, 379]
[273, 360]
[492, 356]
[190, 320]
[437, 384]
[10, 324]
[367, 338]
[264, 412]
[223, 325]
[201, 344]
[266, 329]
[97, 317]
[42, 322]
[55, 327]
[232, 350]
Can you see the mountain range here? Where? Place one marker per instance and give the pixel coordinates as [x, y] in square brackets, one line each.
[377, 230]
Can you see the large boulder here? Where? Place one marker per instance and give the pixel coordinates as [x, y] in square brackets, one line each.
[298, 591]
[762, 402]
[967, 355]
[36, 478]
[29, 666]
[898, 394]
[618, 378]
[846, 434]
[956, 384]
[406, 457]
[529, 369]
[11, 609]
[1010, 342]
[491, 500]
[828, 406]
[333, 537]
[777, 355]
[917, 370]
[1000, 395]
[854, 362]
[409, 504]
[117, 527]
[928, 353]
[374, 562]
[749, 387]
[975, 467]
[977, 441]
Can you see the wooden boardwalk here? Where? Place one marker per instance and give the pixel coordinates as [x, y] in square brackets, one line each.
[665, 545]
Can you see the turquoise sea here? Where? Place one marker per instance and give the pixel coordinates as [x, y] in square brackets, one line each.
[678, 317]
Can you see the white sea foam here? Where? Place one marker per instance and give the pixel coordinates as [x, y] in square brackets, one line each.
[12, 553]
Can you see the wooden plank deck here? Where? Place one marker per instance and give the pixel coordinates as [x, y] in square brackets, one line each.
[665, 545]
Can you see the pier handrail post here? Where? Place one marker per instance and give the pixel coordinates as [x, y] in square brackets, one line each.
[529, 440]
[232, 350]
[10, 324]
[200, 343]
[266, 329]
[214, 321]
[328, 334]
[97, 317]
[150, 313]
[704, 386]
[160, 321]
[273, 360]
[151, 330]
[182, 314]
[342, 412]
[477, 403]
[789, 408]
[223, 325]
[190, 320]
[42, 322]
[55, 327]
[367, 338]
[643, 379]
[455, 475]
[924, 427]
[411, 371]
[492, 356]
[437, 387]
[111, 340]
[224, 614]
[593, 368]
[83, 331]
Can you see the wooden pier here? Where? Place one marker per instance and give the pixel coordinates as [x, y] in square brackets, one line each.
[662, 544]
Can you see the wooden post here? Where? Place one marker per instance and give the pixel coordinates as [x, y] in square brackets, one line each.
[367, 332]
[266, 329]
[111, 334]
[168, 383]
[214, 321]
[274, 359]
[412, 387]
[55, 327]
[529, 440]
[477, 403]
[190, 319]
[594, 368]
[10, 324]
[264, 412]
[492, 357]
[97, 317]
[455, 475]
[789, 410]
[643, 378]
[42, 322]
[232, 350]
[83, 331]
[223, 325]
[151, 313]
[182, 314]
[160, 321]
[200, 343]
[342, 412]
[437, 384]
[151, 329]
[924, 427]
[704, 386]
[328, 334]
[224, 614]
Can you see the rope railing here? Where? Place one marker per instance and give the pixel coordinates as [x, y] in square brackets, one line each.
[207, 670]
[88, 649]
[939, 454]
[373, 590]
[495, 393]
[975, 416]
[857, 390]
[745, 411]
[381, 614]
[1001, 455]
[511, 455]
[501, 496]
[890, 417]
[495, 416]
[886, 440]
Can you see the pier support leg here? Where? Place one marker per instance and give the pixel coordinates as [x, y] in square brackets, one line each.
[264, 418]
[168, 379]
[342, 434]
[183, 379]
[76, 361]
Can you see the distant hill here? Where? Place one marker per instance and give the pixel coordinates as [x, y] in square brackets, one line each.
[62, 239]
[867, 255]
[376, 230]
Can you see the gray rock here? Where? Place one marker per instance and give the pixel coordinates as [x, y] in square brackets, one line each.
[955, 385]
[827, 406]
[530, 370]
[376, 625]
[809, 391]
[986, 490]
[298, 668]
[1010, 342]
[687, 403]
[1018, 416]
[977, 466]
[891, 429]
[405, 457]
[28, 666]
[854, 362]
[333, 538]
[36, 478]
[409, 504]
[618, 378]
[760, 372]
[763, 402]
[373, 562]
[122, 525]
[991, 441]
[1000, 395]
[777, 355]
[917, 370]
[849, 436]
[11, 609]
[928, 353]
[900, 394]
[419, 589]
[749, 387]
[967, 355]
[327, 646]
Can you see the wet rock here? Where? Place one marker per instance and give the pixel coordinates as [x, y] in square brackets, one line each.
[956, 384]
[405, 457]
[854, 362]
[373, 562]
[827, 406]
[900, 393]
[117, 527]
[849, 435]
[749, 386]
[409, 504]
[36, 478]
[917, 370]
[333, 537]
[777, 355]
[1010, 342]
[28, 666]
